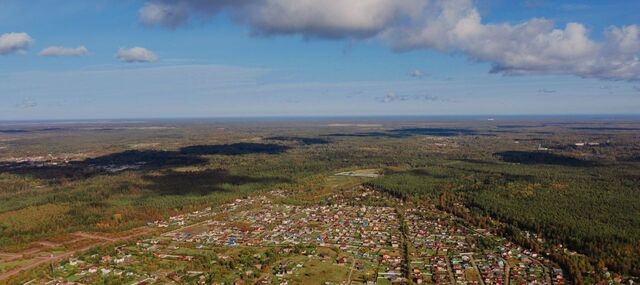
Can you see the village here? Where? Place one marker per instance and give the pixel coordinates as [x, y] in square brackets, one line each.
[351, 237]
[448, 253]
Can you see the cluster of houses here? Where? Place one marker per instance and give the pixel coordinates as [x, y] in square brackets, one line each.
[361, 227]
[492, 268]
[95, 268]
[524, 268]
[447, 253]
[182, 220]
[15, 163]
[369, 233]
[259, 221]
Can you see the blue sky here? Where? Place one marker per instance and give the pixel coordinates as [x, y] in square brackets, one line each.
[232, 60]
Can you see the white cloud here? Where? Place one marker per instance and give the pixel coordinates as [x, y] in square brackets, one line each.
[548, 91]
[417, 73]
[27, 103]
[330, 18]
[14, 43]
[310, 18]
[64, 51]
[163, 14]
[136, 54]
[173, 13]
[535, 46]
[393, 97]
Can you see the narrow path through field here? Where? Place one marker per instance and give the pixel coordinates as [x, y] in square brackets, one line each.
[353, 266]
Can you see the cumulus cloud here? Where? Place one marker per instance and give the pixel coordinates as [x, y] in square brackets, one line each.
[535, 46]
[14, 43]
[329, 19]
[309, 18]
[55, 51]
[136, 54]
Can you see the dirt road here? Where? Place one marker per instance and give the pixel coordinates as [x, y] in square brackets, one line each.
[100, 240]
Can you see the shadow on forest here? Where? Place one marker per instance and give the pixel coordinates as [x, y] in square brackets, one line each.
[477, 161]
[631, 179]
[301, 140]
[25, 131]
[484, 176]
[487, 177]
[427, 173]
[436, 132]
[367, 135]
[604, 129]
[632, 159]
[13, 131]
[410, 132]
[135, 160]
[146, 158]
[531, 157]
[234, 149]
[517, 126]
[172, 182]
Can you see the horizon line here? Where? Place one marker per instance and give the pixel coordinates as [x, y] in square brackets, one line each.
[321, 117]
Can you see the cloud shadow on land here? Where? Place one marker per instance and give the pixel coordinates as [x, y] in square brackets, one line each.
[427, 173]
[234, 149]
[535, 157]
[112, 163]
[300, 140]
[488, 177]
[146, 158]
[437, 132]
[171, 182]
[133, 160]
[410, 132]
[477, 161]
